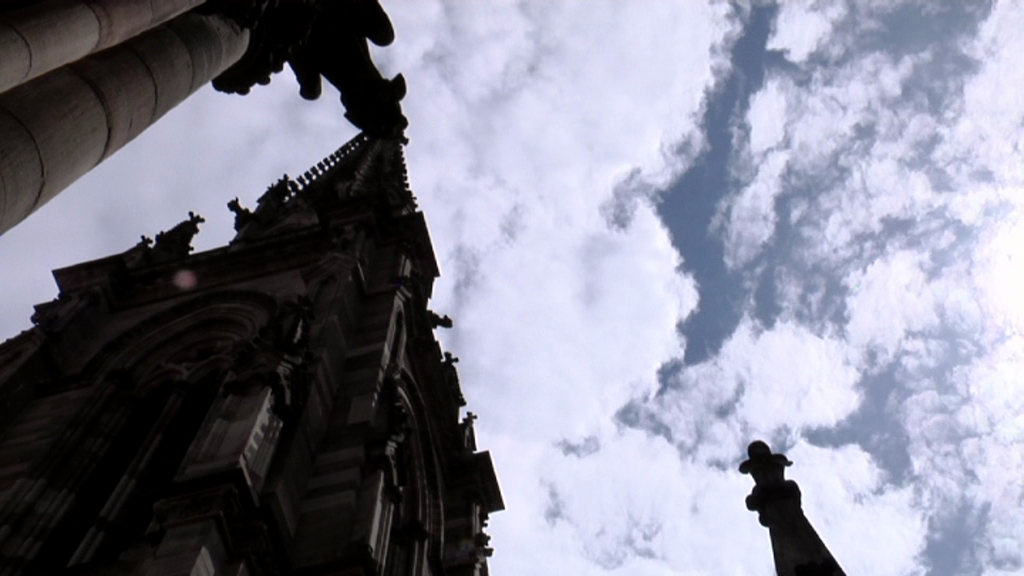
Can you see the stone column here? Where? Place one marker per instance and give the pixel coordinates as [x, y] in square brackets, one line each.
[45, 36]
[59, 126]
[796, 546]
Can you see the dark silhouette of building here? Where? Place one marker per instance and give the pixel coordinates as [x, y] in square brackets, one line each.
[275, 406]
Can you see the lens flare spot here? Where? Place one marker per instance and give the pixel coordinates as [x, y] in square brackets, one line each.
[185, 279]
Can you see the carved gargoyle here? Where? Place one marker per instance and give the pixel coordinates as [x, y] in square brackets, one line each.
[323, 39]
[176, 242]
[438, 321]
[337, 51]
[242, 214]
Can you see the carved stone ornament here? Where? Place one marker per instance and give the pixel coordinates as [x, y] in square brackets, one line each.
[169, 245]
[278, 210]
[797, 548]
[276, 358]
[451, 377]
[320, 39]
[438, 321]
[770, 484]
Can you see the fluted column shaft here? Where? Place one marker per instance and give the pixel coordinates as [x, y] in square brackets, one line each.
[45, 36]
[59, 126]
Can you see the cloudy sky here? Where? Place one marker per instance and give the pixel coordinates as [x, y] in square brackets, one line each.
[667, 229]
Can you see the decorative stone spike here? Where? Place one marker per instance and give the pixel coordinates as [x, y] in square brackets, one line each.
[797, 548]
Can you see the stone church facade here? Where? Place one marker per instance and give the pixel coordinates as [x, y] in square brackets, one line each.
[279, 405]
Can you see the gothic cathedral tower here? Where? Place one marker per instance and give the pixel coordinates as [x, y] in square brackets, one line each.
[276, 406]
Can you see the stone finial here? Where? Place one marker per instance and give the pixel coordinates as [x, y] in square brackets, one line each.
[797, 548]
[763, 465]
[451, 377]
[770, 485]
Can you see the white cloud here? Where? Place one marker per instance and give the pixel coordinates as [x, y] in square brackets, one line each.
[907, 231]
[523, 126]
[761, 381]
[751, 215]
[942, 288]
[998, 272]
[517, 143]
[988, 402]
[888, 299]
[767, 117]
[590, 319]
[685, 506]
[852, 508]
[802, 27]
[838, 103]
[667, 519]
[988, 131]
[816, 388]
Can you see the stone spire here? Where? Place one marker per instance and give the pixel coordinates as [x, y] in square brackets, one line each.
[797, 548]
[365, 169]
